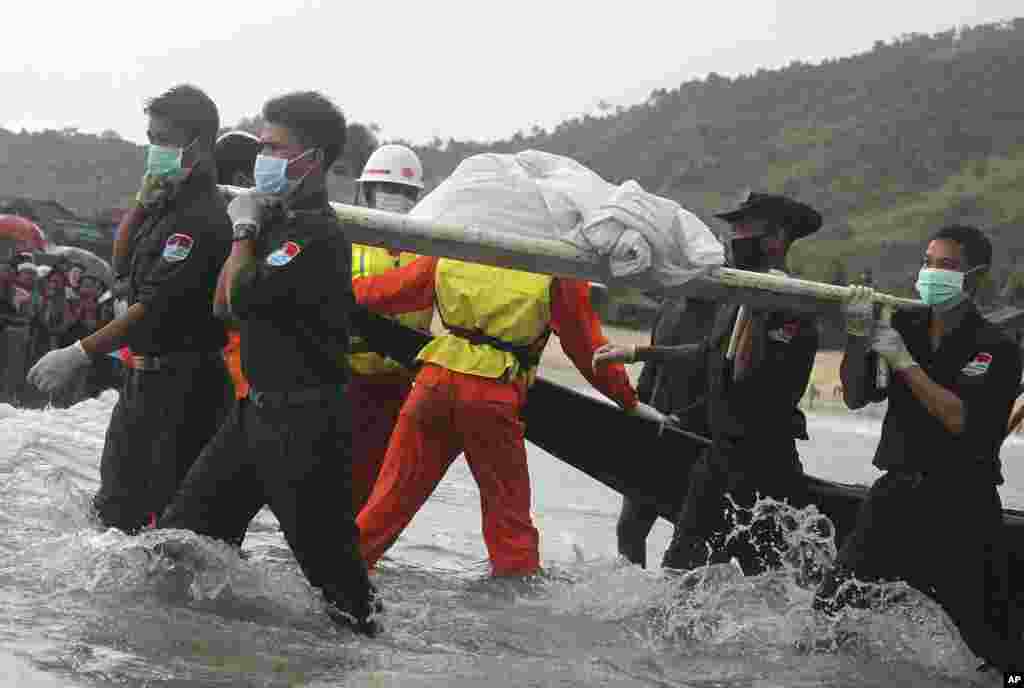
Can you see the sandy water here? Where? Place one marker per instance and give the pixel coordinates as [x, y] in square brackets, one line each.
[82, 607]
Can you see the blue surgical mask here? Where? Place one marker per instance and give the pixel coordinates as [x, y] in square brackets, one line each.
[937, 286]
[163, 161]
[270, 174]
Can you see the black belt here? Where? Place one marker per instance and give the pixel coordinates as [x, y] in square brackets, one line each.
[179, 359]
[295, 397]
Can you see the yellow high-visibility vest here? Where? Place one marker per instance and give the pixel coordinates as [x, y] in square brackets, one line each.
[373, 260]
[499, 309]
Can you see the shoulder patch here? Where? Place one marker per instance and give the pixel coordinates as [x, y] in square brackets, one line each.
[978, 365]
[284, 255]
[177, 247]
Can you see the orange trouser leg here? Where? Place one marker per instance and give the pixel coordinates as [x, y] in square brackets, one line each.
[233, 361]
[376, 402]
[422, 447]
[487, 417]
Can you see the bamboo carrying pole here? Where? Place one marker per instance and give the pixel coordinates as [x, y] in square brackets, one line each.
[548, 255]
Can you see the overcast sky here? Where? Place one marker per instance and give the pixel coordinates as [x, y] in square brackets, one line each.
[467, 70]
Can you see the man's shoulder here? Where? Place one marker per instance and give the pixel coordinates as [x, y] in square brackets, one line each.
[203, 214]
[994, 337]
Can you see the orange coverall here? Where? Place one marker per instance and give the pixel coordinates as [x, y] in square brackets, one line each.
[449, 412]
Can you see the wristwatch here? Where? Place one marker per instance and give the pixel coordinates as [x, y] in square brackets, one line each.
[244, 231]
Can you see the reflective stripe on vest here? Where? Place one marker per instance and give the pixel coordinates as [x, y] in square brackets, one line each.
[372, 260]
[510, 308]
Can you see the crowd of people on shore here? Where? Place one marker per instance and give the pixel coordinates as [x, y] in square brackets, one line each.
[46, 306]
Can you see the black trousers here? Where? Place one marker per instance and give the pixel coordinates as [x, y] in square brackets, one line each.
[943, 535]
[743, 470]
[298, 461]
[634, 525]
[160, 424]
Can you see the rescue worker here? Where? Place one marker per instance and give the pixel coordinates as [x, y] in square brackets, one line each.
[178, 392]
[288, 443]
[756, 364]
[674, 388]
[391, 180]
[470, 390]
[934, 518]
[236, 153]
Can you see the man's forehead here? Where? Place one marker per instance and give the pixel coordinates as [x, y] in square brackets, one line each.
[944, 248]
[279, 135]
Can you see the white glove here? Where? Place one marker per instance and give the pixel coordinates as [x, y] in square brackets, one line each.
[55, 369]
[120, 308]
[247, 208]
[613, 353]
[888, 343]
[859, 311]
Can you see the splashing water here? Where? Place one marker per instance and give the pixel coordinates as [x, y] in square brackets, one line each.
[169, 608]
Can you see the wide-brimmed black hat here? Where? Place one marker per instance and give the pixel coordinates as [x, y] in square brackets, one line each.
[800, 218]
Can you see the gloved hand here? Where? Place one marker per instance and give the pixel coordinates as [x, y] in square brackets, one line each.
[614, 353]
[156, 188]
[55, 369]
[859, 311]
[120, 308]
[888, 343]
[247, 208]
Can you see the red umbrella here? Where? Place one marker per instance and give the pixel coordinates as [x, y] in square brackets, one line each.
[24, 231]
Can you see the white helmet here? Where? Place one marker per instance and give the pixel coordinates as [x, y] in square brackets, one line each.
[394, 163]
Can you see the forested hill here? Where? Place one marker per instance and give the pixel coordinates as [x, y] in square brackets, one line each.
[888, 144]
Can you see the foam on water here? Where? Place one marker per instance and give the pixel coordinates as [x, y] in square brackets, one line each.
[169, 608]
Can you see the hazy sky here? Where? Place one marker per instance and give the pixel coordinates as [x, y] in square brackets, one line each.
[457, 69]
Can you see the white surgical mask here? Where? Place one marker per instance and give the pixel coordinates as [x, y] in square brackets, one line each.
[392, 202]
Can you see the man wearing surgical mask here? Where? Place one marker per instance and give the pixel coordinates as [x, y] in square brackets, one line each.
[751, 372]
[287, 443]
[177, 392]
[934, 519]
[391, 181]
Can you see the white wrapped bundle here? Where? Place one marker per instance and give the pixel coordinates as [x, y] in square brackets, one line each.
[533, 193]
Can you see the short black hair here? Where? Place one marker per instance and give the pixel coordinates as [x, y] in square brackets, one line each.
[973, 243]
[189, 108]
[235, 152]
[313, 118]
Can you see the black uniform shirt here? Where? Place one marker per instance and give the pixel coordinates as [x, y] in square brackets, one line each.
[177, 254]
[979, 364]
[293, 303]
[677, 385]
[763, 404]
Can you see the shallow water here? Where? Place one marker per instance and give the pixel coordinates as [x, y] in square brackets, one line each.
[83, 607]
